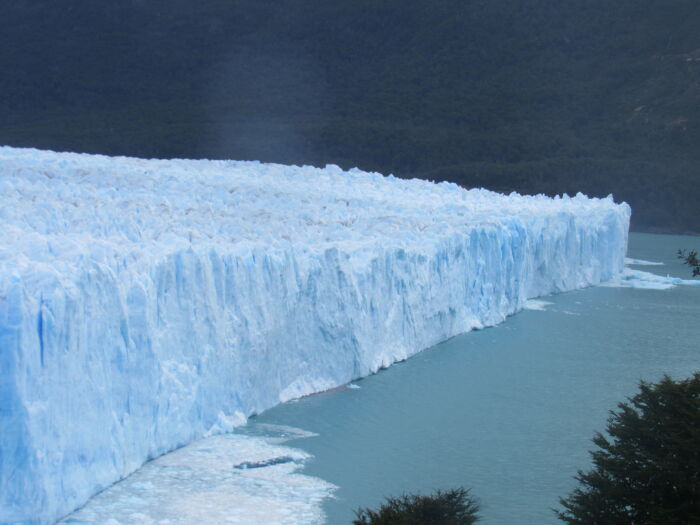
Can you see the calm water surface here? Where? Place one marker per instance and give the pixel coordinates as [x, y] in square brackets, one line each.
[507, 411]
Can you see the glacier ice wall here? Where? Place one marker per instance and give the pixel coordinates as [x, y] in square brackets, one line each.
[147, 303]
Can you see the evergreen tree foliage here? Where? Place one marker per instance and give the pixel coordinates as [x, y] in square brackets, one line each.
[647, 471]
[691, 259]
[451, 507]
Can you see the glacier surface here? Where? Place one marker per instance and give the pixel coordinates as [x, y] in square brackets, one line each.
[147, 303]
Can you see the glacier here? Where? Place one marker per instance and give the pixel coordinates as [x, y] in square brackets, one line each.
[147, 303]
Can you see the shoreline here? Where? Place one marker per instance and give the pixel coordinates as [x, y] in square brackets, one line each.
[662, 231]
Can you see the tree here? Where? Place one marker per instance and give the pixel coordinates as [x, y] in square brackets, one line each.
[691, 259]
[648, 470]
[452, 507]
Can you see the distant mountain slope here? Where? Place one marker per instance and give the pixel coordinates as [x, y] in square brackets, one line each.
[528, 95]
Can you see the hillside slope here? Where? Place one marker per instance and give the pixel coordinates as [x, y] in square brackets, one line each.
[535, 96]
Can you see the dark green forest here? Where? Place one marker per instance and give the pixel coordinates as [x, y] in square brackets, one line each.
[546, 96]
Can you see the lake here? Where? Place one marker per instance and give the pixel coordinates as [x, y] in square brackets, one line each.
[507, 411]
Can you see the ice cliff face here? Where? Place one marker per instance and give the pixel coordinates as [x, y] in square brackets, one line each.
[146, 303]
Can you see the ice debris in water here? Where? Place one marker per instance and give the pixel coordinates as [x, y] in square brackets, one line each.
[232, 478]
[147, 303]
[630, 278]
[642, 262]
[265, 462]
[536, 304]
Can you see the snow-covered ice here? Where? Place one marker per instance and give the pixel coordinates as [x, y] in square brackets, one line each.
[145, 304]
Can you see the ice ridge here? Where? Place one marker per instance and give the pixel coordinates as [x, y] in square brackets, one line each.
[147, 303]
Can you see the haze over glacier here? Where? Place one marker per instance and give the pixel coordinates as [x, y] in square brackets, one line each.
[147, 303]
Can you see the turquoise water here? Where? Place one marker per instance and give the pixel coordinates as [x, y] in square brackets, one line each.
[507, 411]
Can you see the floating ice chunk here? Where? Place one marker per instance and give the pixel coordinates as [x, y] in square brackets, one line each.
[642, 262]
[648, 281]
[536, 304]
[265, 462]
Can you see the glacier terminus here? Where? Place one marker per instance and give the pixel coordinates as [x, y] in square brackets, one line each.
[145, 304]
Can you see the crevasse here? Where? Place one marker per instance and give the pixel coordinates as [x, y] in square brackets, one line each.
[147, 303]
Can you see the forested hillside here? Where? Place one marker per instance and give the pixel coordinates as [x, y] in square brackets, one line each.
[530, 95]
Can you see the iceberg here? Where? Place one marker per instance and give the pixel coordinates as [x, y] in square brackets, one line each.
[145, 304]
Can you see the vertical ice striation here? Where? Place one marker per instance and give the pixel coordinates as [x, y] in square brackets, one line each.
[147, 303]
